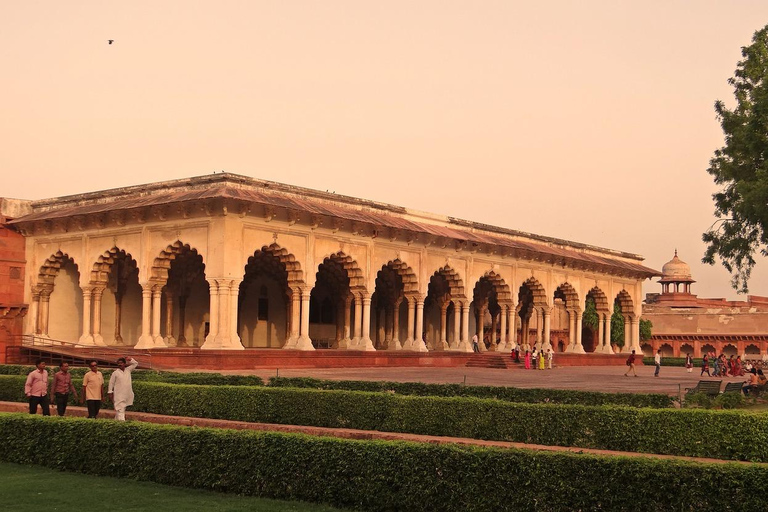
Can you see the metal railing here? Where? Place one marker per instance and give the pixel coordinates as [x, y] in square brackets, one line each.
[61, 348]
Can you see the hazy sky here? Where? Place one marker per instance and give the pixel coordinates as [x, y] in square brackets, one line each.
[589, 121]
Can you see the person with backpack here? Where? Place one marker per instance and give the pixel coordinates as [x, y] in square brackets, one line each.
[631, 364]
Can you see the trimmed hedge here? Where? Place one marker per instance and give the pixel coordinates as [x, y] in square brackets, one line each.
[673, 361]
[202, 378]
[734, 435]
[507, 394]
[375, 475]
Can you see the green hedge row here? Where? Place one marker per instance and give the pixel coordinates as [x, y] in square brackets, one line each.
[507, 394]
[212, 379]
[733, 435]
[374, 475]
[673, 361]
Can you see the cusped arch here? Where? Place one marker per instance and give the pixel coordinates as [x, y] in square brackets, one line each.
[162, 263]
[625, 303]
[568, 293]
[351, 270]
[752, 350]
[600, 298]
[103, 265]
[496, 283]
[50, 268]
[453, 280]
[281, 261]
[538, 293]
[406, 273]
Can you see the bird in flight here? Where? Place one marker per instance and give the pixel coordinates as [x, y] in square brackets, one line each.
[110, 41]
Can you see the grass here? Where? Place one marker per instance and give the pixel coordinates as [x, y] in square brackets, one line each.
[34, 488]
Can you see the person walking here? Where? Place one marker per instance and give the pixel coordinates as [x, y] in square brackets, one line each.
[93, 390]
[120, 389]
[550, 356]
[657, 361]
[541, 360]
[688, 363]
[36, 389]
[705, 366]
[475, 348]
[631, 364]
[62, 385]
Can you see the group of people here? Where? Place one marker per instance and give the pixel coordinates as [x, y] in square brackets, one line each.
[722, 366]
[536, 359]
[40, 392]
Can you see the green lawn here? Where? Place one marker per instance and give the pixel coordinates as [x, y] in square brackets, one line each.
[34, 488]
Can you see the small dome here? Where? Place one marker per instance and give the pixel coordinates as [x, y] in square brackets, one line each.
[676, 270]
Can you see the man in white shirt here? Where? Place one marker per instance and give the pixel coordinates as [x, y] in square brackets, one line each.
[657, 360]
[120, 389]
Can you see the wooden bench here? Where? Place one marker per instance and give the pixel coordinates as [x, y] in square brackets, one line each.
[708, 387]
[733, 387]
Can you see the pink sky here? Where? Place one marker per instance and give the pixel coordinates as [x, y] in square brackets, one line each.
[589, 121]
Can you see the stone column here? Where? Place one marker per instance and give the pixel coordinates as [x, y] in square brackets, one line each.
[627, 335]
[578, 346]
[295, 319]
[465, 344]
[503, 346]
[169, 339]
[481, 328]
[607, 333]
[234, 336]
[347, 340]
[546, 314]
[213, 322]
[358, 327]
[418, 340]
[456, 341]
[634, 322]
[365, 342]
[442, 344]
[157, 294]
[394, 344]
[145, 340]
[539, 328]
[118, 316]
[494, 325]
[42, 321]
[98, 339]
[34, 308]
[86, 338]
[600, 334]
[571, 330]
[408, 344]
[512, 337]
[304, 342]
[339, 324]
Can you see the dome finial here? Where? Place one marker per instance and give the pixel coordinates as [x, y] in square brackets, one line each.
[675, 251]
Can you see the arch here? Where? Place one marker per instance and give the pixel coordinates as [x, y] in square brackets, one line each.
[406, 273]
[667, 350]
[647, 349]
[601, 300]
[707, 348]
[752, 350]
[162, 263]
[103, 265]
[729, 350]
[685, 349]
[62, 315]
[351, 269]
[117, 298]
[568, 294]
[625, 303]
[453, 281]
[51, 266]
[538, 294]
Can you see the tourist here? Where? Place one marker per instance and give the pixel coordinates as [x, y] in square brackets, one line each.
[723, 365]
[688, 363]
[751, 383]
[705, 365]
[475, 347]
[541, 360]
[93, 390]
[534, 358]
[657, 361]
[732, 366]
[738, 370]
[36, 388]
[761, 379]
[62, 385]
[550, 356]
[527, 360]
[121, 387]
[631, 364]
[716, 367]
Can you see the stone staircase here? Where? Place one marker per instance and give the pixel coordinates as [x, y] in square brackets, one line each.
[490, 360]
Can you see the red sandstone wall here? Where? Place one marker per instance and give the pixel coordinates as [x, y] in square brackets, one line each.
[12, 307]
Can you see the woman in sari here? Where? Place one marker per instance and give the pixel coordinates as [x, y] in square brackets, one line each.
[527, 360]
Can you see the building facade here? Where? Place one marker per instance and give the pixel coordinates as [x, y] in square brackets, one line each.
[230, 262]
[686, 324]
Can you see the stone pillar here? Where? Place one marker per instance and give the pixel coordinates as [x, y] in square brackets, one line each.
[357, 334]
[34, 308]
[465, 344]
[98, 339]
[145, 340]
[418, 340]
[502, 346]
[408, 344]
[295, 319]
[635, 335]
[234, 336]
[42, 321]
[118, 316]
[442, 344]
[339, 324]
[456, 341]
[578, 346]
[365, 342]
[86, 338]
[607, 332]
[170, 341]
[213, 322]
[481, 328]
[304, 342]
[157, 294]
[571, 330]
[494, 325]
[600, 349]
[346, 341]
[627, 335]
[394, 344]
[546, 314]
[512, 337]
[539, 328]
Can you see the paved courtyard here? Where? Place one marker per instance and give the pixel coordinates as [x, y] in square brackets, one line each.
[592, 378]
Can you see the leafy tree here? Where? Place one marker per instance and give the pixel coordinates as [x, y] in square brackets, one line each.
[590, 318]
[646, 327]
[740, 167]
[617, 326]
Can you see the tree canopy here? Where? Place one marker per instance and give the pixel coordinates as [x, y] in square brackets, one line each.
[740, 167]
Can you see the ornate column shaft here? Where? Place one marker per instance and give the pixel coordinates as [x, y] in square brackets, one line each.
[234, 336]
[98, 339]
[512, 337]
[578, 347]
[87, 338]
[358, 327]
[213, 322]
[347, 339]
[339, 324]
[627, 335]
[464, 344]
[546, 314]
[418, 340]
[539, 327]
[571, 330]
[145, 340]
[34, 308]
[394, 343]
[443, 344]
[411, 318]
[481, 328]
[157, 294]
[304, 342]
[600, 334]
[634, 322]
[42, 321]
[365, 342]
[382, 329]
[169, 339]
[494, 327]
[502, 346]
[295, 319]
